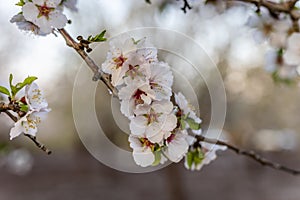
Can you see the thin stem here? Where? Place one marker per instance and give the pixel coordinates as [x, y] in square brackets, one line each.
[249, 154]
[98, 74]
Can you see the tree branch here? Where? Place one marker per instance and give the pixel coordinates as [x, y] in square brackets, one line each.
[6, 109]
[98, 74]
[249, 154]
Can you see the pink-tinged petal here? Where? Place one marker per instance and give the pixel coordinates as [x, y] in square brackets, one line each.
[34, 97]
[30, 12]
[163, 106]
[127, 107]
[153, 129]
[177, 148]
[158, 138]
[43, 24]
[144, 158]
[138, 125]
[170, 123]
[57, 19]
[134, 142]
[16, 130]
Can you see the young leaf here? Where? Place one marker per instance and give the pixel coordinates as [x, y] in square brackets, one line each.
[192, 124]
[12, 87]
[27, 81]
[20, 3]
[98, 38]
[4, 90]
[24, 108]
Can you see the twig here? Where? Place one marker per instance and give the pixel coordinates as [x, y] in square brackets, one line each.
[38, 144]
[6, 109]
[98, 74]
[186, 5]
[250, 154]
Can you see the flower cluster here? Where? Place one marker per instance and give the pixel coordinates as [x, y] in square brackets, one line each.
[283, 58]
[159, 127]
[42, 16]
[36, 109]
[26, 110]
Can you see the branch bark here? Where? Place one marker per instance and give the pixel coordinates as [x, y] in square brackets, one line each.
[98, 74]
[249, 154]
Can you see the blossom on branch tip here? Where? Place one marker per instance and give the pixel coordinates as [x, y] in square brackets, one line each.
[37, 111]
[46, 14]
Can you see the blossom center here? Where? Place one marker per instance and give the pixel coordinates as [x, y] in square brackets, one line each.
[146, 143]
[119, 61]
[152, 117]
[138, 96]
[44, 10]
[171, 138]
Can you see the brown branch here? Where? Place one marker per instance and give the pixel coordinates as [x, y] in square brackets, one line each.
[250, 154]
[38, 144]
[98, 74]
[6, 109]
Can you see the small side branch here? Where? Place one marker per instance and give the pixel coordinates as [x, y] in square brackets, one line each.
[249, 154]
[186, 6]
[38, 144]
[98, 74]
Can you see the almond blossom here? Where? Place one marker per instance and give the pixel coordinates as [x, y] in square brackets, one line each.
[186, 110]
[154, 122]
[133, 95]
[37, 110]
[142, 151]
[46, 14]
[161, 80]
[27, 26]
[202, 155]
[292, 54]
[120, 51]
[176, 146]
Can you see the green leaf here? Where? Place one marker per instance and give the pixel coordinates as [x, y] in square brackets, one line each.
[98, 38]
[279, 80]
[27, 81]
[4, 90]
[157, 155]
[12, 87]
[198, 156]
[20, 3]
[193, 125]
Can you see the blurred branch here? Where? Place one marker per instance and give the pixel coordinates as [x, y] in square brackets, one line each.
[186, 5]
[98, 74]
[250, 154]
[287, 7]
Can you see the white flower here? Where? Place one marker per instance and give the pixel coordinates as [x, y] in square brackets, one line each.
[121, 49]
[46, 14]
[134, 94]
[154, 122]
[28, 123]
[263, 24]
[24, 25]
[292, 54]
[187, 109]
[161, 80]
[142, 151]
[279, 35]
[70, 4]
[177, 146]
[35, 98]
[37, 110]
[276, 63]
[209, 154]
[135, 68]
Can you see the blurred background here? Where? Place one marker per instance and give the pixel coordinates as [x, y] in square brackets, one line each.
[261, 114]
